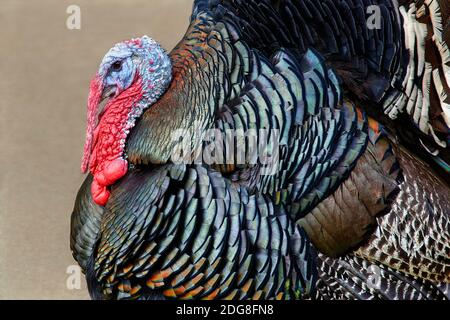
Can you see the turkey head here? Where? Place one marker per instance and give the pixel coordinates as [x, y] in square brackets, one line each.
[132, 76]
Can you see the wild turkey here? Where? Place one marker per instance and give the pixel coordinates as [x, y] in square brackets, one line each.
[359, 204]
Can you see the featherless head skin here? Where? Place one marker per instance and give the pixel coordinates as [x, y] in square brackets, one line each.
[132, 76]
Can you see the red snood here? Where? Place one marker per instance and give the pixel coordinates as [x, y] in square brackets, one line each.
[106, 136]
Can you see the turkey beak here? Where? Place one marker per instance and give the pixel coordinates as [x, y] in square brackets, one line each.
[108, 92]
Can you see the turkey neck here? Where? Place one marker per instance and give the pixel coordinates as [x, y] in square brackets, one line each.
[189, 104]
[181, 108]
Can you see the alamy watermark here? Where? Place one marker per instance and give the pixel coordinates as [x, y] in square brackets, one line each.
[73, 21]
[374, 20]
[374, 279]
[75, 275]
[230, 147]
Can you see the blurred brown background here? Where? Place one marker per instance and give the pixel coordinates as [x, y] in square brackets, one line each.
[45, 73]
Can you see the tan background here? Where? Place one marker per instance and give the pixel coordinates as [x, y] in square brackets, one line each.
[45, 71]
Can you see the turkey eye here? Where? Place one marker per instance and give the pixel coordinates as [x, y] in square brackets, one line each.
[116, 66]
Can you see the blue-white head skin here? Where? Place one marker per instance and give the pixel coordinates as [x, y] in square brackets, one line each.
[142, 56]
[132, 76]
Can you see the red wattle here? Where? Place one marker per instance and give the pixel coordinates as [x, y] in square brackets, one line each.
[111, 172]
[100, 194]
[106, 141]
[114, 170]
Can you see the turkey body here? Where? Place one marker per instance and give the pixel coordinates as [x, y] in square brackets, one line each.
[359, 204]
